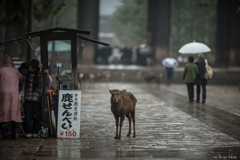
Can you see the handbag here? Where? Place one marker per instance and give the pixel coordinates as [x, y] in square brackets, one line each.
[208, 71]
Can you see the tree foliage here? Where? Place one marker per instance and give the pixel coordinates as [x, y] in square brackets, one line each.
[67, 18]
[44, 9]
[129, 21]
[15, 12]
[192, 20]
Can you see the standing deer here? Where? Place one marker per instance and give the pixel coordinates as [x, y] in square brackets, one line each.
[123, 104]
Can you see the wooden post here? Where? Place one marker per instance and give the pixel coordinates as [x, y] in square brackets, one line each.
[74, 60]
[88, 17]
[235, 32]
[30, 20]
[159, 27]
[223, 33]
[44, 61]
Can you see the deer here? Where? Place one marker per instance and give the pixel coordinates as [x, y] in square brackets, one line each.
[123, 104]
[150, 76]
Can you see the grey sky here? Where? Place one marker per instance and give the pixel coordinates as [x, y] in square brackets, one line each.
[107, 7]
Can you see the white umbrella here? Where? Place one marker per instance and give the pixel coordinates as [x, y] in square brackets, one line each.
[194, 48]
[170, 62]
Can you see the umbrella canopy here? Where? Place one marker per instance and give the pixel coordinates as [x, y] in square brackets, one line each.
[170, 62]
[194, 48]
[60, 46]
[145, 50]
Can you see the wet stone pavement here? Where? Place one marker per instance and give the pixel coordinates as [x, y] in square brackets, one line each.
[167, 127]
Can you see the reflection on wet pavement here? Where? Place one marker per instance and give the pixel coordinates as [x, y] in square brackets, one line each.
[224, 121]
[164, 130]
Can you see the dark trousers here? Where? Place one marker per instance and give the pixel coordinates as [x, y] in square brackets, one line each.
[203, 92]
[190, 91]
[33, 116]
[14, 125]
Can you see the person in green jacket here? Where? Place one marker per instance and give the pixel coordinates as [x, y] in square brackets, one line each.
[189, 76]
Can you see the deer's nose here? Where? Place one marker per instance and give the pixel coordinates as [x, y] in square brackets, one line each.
[115, 100]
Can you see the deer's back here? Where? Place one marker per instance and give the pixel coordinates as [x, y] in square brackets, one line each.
[132, 97]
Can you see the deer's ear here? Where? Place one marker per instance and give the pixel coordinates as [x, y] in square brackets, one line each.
[122, 91]
[110, 91]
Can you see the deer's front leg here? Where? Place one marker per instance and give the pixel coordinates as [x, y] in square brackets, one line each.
[121, 122]
[117, 122]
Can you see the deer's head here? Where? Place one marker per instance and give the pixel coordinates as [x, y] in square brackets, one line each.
[116, 94]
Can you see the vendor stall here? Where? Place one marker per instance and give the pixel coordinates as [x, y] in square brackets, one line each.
[57, 33]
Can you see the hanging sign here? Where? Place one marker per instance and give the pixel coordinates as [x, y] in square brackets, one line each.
[69, 105]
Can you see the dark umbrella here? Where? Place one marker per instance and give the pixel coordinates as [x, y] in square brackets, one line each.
[52, 106]
[145, 50]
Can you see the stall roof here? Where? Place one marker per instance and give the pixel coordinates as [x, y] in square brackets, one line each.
[59, 29]
[31, 35]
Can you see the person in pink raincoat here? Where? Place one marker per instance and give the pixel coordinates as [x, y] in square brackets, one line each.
[9, 95]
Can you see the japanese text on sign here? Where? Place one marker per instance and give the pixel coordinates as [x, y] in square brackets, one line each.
[69, 114]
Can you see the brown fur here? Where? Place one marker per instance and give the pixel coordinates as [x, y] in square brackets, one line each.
[150, 76]
[86, 77]
[123, 104]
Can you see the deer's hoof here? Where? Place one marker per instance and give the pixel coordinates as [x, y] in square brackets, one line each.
[128, 135]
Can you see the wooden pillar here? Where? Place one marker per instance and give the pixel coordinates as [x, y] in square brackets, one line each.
[44, 61]
[44, 38]
[74, 60]
[30, 21]
[159, 27]
[234, 56]
[223, 32]
[88, 19]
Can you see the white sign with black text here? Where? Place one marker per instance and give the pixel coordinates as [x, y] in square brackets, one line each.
[69, 105]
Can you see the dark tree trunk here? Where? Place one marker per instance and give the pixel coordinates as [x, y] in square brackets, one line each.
[88, 17]
[223, 32]
[228, 31]
[235, 34]
[159, 27]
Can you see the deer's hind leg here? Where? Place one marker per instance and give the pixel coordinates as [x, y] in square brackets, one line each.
[133, 117]
[129, 119]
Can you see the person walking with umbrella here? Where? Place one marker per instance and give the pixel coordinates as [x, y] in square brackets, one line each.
[201, 81]
[189, 76]
[9, 95]
[170, 64]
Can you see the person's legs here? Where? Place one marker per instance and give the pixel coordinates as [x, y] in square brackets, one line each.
[198, 93]
[203, 93]
[24, 119]
[1, 125]
[15, 125]
[15, 129]
[28, 117]
[38, 117]
[1, 128]
[190, 91]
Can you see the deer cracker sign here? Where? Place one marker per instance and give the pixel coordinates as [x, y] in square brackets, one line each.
[69, 105]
